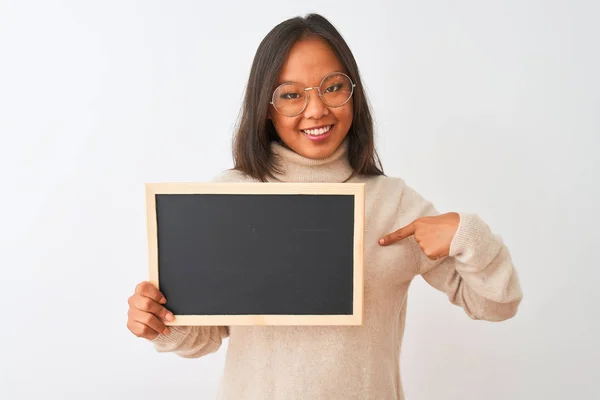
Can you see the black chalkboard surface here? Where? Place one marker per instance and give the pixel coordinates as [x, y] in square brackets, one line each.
[257, 253]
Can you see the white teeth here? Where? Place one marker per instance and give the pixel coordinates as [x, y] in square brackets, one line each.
[318, 132]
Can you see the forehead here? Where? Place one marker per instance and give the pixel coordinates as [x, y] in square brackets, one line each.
[309, 60]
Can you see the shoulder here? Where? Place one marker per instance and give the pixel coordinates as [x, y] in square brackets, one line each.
[382, 185]
[397, 192]
[232, 175]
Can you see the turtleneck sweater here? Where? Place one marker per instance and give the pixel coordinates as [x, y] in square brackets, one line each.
[357, 362]
[293, 167]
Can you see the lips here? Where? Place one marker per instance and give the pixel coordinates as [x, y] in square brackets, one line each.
[318, 131]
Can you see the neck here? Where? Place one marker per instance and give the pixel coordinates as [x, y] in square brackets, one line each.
[293, 167]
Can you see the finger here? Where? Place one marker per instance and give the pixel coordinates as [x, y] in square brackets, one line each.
[398, 235]
[142, 330]
[433, 253]
[147, 304]
[149, 320]
[147, 289]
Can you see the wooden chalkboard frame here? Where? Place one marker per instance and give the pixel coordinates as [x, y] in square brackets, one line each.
[357, 190]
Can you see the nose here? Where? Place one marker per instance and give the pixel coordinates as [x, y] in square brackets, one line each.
[315, 108]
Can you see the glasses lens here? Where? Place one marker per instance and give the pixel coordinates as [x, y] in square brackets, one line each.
[289, 99]
[336, 89]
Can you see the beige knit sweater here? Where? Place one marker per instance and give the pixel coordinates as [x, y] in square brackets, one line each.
[358, 362]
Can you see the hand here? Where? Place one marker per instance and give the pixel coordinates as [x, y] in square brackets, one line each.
[433, 234]
[146, 313]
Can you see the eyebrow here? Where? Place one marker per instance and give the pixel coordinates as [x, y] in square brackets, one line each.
[281, 83]
[332, 72]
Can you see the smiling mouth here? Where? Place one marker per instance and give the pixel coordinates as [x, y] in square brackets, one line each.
[318, 132]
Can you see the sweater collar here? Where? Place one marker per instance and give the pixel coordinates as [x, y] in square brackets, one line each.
[293, 167]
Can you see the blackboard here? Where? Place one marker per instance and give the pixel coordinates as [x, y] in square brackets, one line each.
[257, 253]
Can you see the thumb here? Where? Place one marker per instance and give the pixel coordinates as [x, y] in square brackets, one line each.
[398, 235]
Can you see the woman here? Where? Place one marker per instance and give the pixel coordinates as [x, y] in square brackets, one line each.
[306, 119]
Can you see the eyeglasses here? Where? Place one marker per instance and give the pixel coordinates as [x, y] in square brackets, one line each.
[290, 99]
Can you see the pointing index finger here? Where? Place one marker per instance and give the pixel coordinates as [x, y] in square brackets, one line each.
[398, 235]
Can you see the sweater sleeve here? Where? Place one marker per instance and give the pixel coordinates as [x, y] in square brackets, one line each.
[191, 341]
[478, 275]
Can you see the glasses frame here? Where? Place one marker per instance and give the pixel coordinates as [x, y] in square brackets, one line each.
[306, 98]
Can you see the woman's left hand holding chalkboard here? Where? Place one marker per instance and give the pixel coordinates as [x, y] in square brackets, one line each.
[146, 313]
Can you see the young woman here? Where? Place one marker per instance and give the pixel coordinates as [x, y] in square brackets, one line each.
[306, 119]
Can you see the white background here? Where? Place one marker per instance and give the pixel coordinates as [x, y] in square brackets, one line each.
[487, 107]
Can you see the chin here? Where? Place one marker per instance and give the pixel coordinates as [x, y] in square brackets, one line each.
[316, 154]
[318, 150]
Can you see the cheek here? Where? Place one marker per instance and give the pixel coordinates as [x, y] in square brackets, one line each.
[285, 125]
[344, 114]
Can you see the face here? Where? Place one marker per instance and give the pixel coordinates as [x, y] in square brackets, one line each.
[309, 61]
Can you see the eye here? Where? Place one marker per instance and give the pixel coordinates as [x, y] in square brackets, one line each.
[289, 96]
[334, 88]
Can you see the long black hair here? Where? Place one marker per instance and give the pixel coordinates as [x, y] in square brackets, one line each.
[255, 132]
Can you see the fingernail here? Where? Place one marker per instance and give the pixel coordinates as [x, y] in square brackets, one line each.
[381, 241]
[166, 331]
[169, 317]
[163, 300]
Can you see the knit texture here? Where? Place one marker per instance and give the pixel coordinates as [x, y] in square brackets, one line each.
[357, 362]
